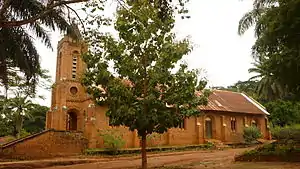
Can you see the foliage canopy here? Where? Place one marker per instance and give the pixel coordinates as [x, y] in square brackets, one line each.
[276, 47]
[143, 90]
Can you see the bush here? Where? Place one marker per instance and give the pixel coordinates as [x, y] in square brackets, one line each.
[251, 134]
[153, 139]
[272, 152]
[24, 133]
[112, 139]
[283, 112]
[286, 134]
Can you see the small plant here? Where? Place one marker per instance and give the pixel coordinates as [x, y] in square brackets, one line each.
[251, 134]
[153, 139]
[24, 133]
[112, 139]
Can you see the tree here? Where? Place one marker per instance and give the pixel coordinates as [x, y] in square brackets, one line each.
[11, 121]
[277, 32]
[283, 113]
[247, 87]
[142, 92]
[16, 106]
[20, 21]
[36, 124]
[5, 125]
[268, 86]
[20, 108]
[254, 17]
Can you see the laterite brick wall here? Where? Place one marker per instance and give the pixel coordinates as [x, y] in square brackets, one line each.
[47, 144]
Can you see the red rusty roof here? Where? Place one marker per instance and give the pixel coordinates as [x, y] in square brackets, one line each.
[227, 101]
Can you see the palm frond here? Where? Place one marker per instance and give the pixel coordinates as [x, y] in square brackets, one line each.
[26, 9]
[263, 3]
[41, 33]
[249, 19]
[20, 51]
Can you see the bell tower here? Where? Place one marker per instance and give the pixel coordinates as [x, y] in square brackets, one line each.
[68, 95]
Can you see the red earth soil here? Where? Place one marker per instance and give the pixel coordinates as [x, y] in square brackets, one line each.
[183, 160]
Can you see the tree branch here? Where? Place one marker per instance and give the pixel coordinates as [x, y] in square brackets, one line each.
[8, 24]
[77, 17]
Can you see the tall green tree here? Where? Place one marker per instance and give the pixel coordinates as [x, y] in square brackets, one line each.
[141, 91]
[19, 108]
[277, 31]
[32, 119]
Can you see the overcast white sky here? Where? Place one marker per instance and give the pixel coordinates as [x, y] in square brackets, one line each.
[225, 56]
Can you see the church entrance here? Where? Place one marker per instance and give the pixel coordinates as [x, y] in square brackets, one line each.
[71, 121]
[208, 128]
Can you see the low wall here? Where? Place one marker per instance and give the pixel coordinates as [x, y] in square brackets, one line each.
[47, 144]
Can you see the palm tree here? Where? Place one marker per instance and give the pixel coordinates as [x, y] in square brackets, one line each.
[253, 17]
[20, 108]
[17, 50]
[268, 86]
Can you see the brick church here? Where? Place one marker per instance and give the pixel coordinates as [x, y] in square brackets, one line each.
[72, 109]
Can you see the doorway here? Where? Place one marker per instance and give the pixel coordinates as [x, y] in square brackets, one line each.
[71, 121]
[208, 128]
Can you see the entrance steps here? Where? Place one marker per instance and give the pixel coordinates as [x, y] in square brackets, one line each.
[217, 143]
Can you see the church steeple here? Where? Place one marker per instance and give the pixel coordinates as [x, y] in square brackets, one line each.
[68, 95]
[69, 63]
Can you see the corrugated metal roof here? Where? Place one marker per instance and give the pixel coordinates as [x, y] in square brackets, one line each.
[227, 101]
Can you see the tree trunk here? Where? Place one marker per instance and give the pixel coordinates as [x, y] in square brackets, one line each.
[144, 154]
[19, 126]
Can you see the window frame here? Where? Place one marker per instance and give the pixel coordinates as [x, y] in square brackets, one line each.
[233, 124]
[182, 124]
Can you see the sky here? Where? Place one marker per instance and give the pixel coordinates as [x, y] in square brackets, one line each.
[224, 56]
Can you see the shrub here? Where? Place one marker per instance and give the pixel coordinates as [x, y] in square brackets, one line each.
[153, 139]
[286, 134]
[251, 134]
[283, 112]
[24, 133]
[112, 139]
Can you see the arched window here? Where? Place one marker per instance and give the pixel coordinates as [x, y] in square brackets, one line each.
[233, 124]
[74, 64]
[253, 123]
[208, 127]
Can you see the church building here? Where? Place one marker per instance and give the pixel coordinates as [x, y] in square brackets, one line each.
[72, 109]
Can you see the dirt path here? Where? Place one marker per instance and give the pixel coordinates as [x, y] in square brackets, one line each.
[189, 159]
[182, 160]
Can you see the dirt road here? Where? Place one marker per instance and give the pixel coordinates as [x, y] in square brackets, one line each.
[184, 160]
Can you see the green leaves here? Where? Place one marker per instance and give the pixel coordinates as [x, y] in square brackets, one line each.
[283, 113]
[136, 71]
[21, 22]
[277, 30]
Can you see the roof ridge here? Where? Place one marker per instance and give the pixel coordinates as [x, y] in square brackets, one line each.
[229, 91]
[251, 100]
